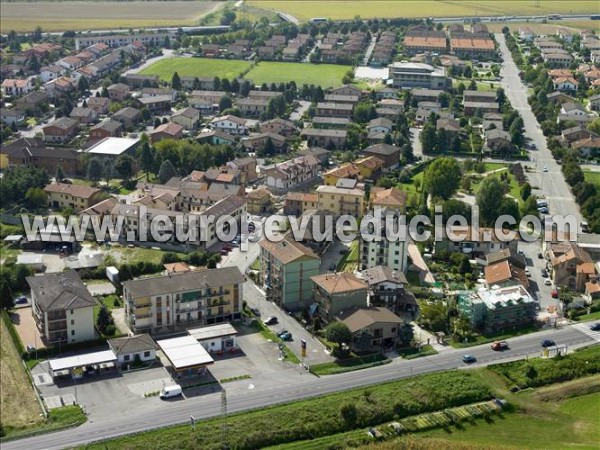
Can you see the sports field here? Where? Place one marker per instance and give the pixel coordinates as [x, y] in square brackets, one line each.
[340, 9]
[71, 15]
[18, 405]
[197, 67]
[325, 75]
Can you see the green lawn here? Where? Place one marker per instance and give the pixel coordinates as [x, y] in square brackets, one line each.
[349, 260]
[325, 75]
[592, 177]
[413, 352]
[137, 254]
[349, 365]
[479, 339]
[197, 67]
[411, 187]
[494, 166]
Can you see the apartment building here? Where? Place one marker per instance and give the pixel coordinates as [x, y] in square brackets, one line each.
[335, 293]
[418, 75]
[62, 307]
[340, 201]
[293, 173]
[76, 197]
[164, 303]
[286, 268]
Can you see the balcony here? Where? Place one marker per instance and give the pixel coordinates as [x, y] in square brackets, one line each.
[57, 326]
[218, 293]
[188, 310]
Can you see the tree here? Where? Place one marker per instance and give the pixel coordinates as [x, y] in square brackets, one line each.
[37, 34]
[94, 170]
[465, 265]
[429, 138]
[6, 296]
[489, 198]
[166, 171]
[461, 327]
[442, 177]
[225, 103]
[105, 322]
[468, 72]
[338, 333]
[434, 316]
[146, 157]
[83, 84]
[124, 167]
[225, 85]
[525, 191]
[59, 175]
[36, 197]
[228, 17]
[176, 82]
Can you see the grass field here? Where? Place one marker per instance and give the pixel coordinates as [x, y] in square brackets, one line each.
[71, 15]
[18, 405]
[326, 75]
[592, 177]
[196, 67]
[339, 9]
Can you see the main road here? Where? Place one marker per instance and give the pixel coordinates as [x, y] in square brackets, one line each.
[301, 387]
[550, 183]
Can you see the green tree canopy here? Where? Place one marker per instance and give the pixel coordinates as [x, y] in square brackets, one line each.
[442, 177]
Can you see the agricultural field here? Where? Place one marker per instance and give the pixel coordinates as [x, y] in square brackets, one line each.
[18, 406]
[71, 15]
[197, 67]
[339, 9]
[326, 75]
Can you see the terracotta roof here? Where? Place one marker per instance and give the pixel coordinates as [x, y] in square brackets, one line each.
[587, 268]
[380, 274]
[504, 271]
[74, 190]
[346, 171]
[424, 41]
[336, 283]
[177, 267]
[389, 197]
[259, 193]
[370, 162]
[361, 318]
[287, 250]
[169, 128]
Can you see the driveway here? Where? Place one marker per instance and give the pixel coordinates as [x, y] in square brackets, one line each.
[550, 184]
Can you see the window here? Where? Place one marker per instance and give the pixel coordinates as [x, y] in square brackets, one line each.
[126, 357]
[72, 322]
[72, 312]
[146, 354]
[72, 332]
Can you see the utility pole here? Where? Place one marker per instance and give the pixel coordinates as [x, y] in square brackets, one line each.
[224, 439]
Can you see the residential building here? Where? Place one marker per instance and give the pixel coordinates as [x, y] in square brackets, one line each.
[259, 201]
[216, 137]
[418, 75]
[325, 109]
[473, 241]
[286, 268]
[106, 128]
[60, 131]
[297, 203]
[336, 293]
[372, 327]
[278, 126]
[498, 309]
[430, 41]
[345, 171]
[256, 141]
[247, 167]
[387, 287]
[119, 40]
[74, 196]
[167, 130]
[136, 349]
[369, 167]
[83, 115]
[380, 125]
[565, 84]
[110, 148]
[33, 152]
[15, 87]
[118, 92]
[128, 116]
[287, 175]
[137, 80]
[340, 123]
[188, 118]
[498, 141]
[62, 307]
[156, 104]
[340, 201]
[158, 304]
[252, 106]
[389, 154]
[473, 47]
[505, 274]
[569, 267]
[324, 138]
[98, 104]
[13, 116]
[230, 124]
[320, 153]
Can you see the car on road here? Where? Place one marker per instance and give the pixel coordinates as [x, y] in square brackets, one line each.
[500, 345]
[543, 209]
[544, 273]
[548, 343]
[545, 169]
[548, 282]
[255, 311]
[554, 293]
[271, 320]
[527, 272]
[469, 359]
[540, 255]
[285, 335]
[595, 326]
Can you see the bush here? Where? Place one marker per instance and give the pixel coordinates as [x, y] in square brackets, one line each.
[110, 330]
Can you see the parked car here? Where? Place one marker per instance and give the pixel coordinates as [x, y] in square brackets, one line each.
[255, 311]
[554, 293]
[469, 359]
[548, 343]
[540, 256]
[595, 326]
[21, 300]
[500, 345]
[272, 320]
[548, 282]
[285, 335]
[171, 391]
[527, 272]
[544, 273]
[545, 169]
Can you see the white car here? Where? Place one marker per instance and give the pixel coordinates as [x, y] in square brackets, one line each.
[527, 272]
[548, 282]
[545, 169]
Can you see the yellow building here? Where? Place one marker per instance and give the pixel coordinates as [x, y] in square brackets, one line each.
[348, 170]
[198, 297]
[369, 167]
[340, 201]
[259, 201]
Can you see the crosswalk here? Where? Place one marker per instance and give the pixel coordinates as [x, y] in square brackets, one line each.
[585, 328]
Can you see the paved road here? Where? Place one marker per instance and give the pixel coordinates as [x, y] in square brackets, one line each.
[300, 110]
[167, 53]
[369, 51]
[209, 405]
[550, 184]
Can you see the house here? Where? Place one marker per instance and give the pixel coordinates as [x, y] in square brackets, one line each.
[230, 124]
[325, 109]
[252, 106]
[525, 34]
[98, 104]
[567, 267]
[278, 126]
[324, 138]
[573, 111]
[159, 92]
[188, 118]
[434, 42]
[559, 97]
[74, 196]
[339, 98]
[473, 47]
[87, 40]
[293, 173]
[388, 154]
[498, 309]
[372, 327]
[386, 92]
[259, 140]
[320, 153]
[62, 307]
[83, 115]
[137, 80]
[199, 297]
[341, 201]
[565, 84]
[60, 130]
[286, 268]
[576, 133]
[505, 274]
[498, 141]
[33, 152]
[387, 288]
[297, 203]
[59, 87]
[247, 167]
[345, 171]
[106, 128]
[32, 102]
[380, 125]
[259, 201]
[346, 89]
[204, 83]
[110, 148]
[50, 73]
[14, 87]
[340, 123]
[128, 116]
[335, 293]
[167, 130]
[118, 92]
[370, 167]
[156, 104]
[70, 62]
[595, 102]
[216, 137]
[588, 147]
[473, 241]
[13, 116]
[140, 348]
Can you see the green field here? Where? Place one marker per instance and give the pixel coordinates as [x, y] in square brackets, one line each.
[197, 67]
[326, 75]
[339, 9]
[592, 177]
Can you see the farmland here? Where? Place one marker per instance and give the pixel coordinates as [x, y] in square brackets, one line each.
[69, 15]
[326, 75]
[338, 9]
[18, 404]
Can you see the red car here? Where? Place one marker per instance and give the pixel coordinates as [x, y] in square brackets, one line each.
[554, 293]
